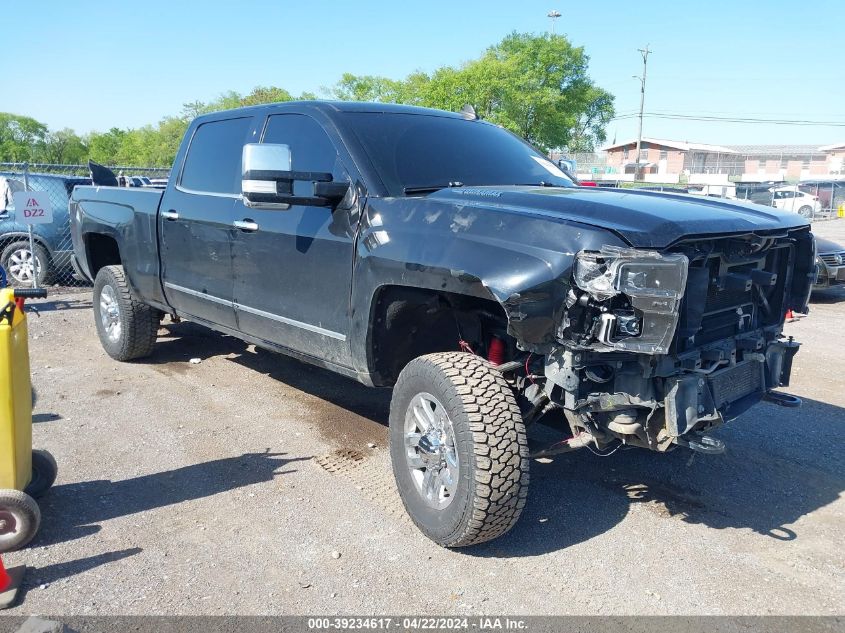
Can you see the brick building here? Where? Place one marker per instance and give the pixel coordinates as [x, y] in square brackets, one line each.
[835, 157]
[666, 160]
[665, 157]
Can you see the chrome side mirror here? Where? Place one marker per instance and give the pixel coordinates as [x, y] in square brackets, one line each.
[267, 180]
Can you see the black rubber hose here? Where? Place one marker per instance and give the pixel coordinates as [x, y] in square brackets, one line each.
[30, 293]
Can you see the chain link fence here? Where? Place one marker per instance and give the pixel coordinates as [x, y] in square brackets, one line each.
[49, 261]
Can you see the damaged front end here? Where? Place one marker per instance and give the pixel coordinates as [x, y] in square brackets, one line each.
[654, 346]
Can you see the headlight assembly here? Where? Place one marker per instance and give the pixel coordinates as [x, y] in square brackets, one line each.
[650, 285]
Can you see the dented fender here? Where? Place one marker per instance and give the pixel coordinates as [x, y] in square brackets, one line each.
[522, 262]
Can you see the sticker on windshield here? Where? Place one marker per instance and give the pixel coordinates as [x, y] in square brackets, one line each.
[549, 166]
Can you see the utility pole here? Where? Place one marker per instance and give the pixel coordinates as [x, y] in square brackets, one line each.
[644, 51]
[553, 15]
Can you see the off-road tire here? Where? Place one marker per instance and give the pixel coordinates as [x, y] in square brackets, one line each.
[490, 440]
[139, 322]
[20, 517]
[44, 472]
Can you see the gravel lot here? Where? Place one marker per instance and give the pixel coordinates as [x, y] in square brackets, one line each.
[245, 485]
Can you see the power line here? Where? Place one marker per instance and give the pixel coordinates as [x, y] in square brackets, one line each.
[744, 114]
[728, 119]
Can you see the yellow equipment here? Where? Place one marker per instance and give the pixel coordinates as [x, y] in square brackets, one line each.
[24, 473]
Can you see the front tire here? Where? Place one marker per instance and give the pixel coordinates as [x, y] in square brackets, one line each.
[127, 327]
[459, 449]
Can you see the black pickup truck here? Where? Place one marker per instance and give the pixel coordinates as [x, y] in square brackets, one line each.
[442, 256]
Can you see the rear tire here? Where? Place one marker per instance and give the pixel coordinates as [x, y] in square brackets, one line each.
[20, 519]
[465, 479]
[806, 211]
[44, 472]
[127, 327]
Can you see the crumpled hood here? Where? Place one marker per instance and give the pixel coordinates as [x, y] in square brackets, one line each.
[644, 219]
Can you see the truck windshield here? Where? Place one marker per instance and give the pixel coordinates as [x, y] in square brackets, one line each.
[415, 153]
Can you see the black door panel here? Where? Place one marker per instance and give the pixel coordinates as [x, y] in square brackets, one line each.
[196, 255]
[293, 274]
[292, 281]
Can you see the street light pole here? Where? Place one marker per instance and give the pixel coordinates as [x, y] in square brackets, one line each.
[637, 170]
[553, 15]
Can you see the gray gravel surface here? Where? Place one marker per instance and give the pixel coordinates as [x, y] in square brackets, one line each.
[248, 484]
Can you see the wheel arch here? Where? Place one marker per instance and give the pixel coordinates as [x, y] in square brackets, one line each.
[405, 322]
[8, 239]
[101, 249]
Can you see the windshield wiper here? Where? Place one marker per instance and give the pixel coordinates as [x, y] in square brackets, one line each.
[430, 188]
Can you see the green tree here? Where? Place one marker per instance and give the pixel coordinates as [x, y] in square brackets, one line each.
[63, 147]
[21, 138]
[365, 88]
[266, 94]
[534, 85]
[105, 147]
[170, 133]
[232, 99]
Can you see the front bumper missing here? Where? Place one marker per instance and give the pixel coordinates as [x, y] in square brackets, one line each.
[696, 400]
[654, 412]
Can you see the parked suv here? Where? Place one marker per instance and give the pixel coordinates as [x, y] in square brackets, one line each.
[53, 246]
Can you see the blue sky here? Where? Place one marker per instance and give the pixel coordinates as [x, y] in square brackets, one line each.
[95, 65]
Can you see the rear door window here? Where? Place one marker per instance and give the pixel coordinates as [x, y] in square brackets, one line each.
[213, 163]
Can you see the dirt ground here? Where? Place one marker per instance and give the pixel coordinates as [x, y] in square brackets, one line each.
[246, 484]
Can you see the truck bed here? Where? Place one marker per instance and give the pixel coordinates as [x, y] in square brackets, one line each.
[141, 200]
[128, 216]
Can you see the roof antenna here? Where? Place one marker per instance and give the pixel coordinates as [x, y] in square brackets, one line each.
[469, 112]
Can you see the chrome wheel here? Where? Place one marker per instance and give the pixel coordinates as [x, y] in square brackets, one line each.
[21, 265]
[430, 450]
[110, 313]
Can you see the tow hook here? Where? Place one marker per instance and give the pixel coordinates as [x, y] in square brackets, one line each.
[783, 399]
[703, 444]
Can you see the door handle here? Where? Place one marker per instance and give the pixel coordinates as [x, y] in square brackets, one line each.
[170, 215]
[245, 225]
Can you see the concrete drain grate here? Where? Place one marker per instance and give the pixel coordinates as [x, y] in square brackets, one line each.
[371, 475]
